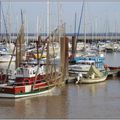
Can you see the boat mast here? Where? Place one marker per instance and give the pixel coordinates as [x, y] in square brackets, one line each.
[9, 21]
[74, 40]
[0, 22]
[37, 42]
[84, 30]
[48, 34]
[59, 19]
[79, 26]
[91, 33]
[20, 44]
[26, 26]
[48, 17]
[6, 30]
[116, 31]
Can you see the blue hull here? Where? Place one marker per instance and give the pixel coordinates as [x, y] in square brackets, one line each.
[97, 59]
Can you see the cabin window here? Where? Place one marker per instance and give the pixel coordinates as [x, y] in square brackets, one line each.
[19, 71]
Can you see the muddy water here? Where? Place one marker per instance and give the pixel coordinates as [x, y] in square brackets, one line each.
[101, 100]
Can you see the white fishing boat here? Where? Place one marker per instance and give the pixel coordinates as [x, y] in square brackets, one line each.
[111, 47]
[81, 66]
[5, 58]
[5, 55]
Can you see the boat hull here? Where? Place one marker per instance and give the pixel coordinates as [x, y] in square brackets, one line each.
[29, 94]
[6, 59]
[114, 68]
[96, 80]
[97, 59]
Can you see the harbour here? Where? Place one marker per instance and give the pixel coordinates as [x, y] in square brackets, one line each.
[99, 100]
[48, 71]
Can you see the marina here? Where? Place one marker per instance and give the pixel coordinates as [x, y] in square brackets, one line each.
[48, 71]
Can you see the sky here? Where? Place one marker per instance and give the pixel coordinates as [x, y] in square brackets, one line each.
[98, 17]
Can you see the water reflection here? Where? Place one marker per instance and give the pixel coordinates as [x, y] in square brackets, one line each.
[101, 100]
[94, 88]
[93, 100]
[54, 106]
[91, 89]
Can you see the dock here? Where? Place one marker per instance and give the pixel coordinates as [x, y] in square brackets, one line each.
[71, 79]
[113, 72]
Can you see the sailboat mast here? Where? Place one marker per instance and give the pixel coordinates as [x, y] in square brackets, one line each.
[37, 40]
[75, 24]
[37, 26]
[26, 29]
[58, 20]
[84, 30]
[48, 17]
[9, 22]
[75, 38]
[0, 22]
[20, 44]
[48, 34]
[115, 31]
[91, 32]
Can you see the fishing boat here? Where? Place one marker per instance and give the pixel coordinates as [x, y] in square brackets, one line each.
[96, 58]
[114, 68]
[93, 76]
[30, 80]
[26, 83]
[111, 47]
[81, 66]
[5, 55]
[5, 58]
